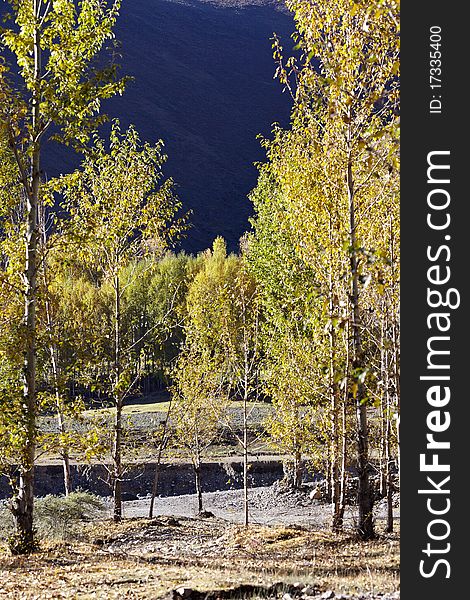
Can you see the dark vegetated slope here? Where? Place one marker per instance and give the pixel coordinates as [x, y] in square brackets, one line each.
[204, 84]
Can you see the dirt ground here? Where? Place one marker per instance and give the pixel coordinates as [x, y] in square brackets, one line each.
[288, 554]
[142, 558]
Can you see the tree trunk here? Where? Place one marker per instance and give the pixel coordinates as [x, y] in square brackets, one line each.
[23, 501]
[389, 528]
[395, 346]
[245, 458]
[55, 370]
[156, 479]
[117, 457]
[197, 481]
[388, 458]
[297, 469]
[383, 405]
[161, 447]
[64, 450]
[60, 413]
[117, 464]
[365, 524]
[67, 473]
[344, 446]
[337, 521]
[328, 477]
[344, 432]
[385, 466]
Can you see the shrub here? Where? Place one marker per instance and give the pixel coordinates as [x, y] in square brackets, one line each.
[56, 517]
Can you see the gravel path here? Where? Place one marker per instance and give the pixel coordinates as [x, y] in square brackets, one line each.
[267, 505]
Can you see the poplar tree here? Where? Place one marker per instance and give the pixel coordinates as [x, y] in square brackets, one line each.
[245, 358]
[202, 373]
[334, 175]
[56, 88]
[199, 400]
[120, 210]
[353, 97]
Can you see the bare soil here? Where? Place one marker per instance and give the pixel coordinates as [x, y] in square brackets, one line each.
[142, 558]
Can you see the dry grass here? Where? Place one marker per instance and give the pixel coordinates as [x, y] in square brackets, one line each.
[140, 558]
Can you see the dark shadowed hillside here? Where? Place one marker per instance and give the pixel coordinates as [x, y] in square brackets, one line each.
[204, 83]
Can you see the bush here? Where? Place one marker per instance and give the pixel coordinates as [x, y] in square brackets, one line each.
[56, 517]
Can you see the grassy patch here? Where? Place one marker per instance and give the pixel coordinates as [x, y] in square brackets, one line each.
[162, 407]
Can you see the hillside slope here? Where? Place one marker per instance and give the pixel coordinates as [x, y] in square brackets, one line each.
[204, 84]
